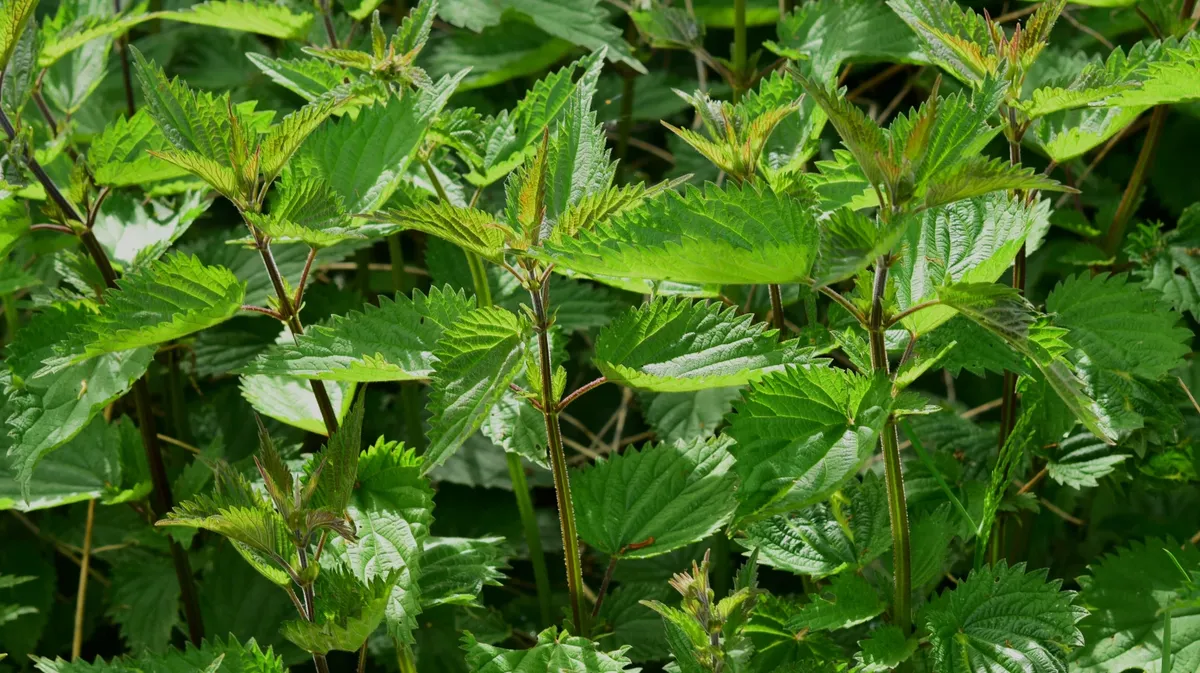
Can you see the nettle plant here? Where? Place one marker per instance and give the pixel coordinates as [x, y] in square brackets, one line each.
[722, 381]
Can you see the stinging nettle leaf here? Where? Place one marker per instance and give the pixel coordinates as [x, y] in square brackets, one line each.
[732, 235]
[675, 345]
[802, 433]
[1004, 616]
[644, 503]
[393, 341]
[477, 358]
[554, 651]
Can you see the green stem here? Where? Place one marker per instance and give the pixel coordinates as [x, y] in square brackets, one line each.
[893, 470]
[11, 320]
[404, 658]
[362, 272]
[777, 309]
[179, 418]
[739, 48]
[558, 459]
[541, 574]
[479, 277]
[1116, 230]
[402, 282]
[625, 125]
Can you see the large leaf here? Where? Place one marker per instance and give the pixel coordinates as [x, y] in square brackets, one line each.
[1003, 618]
[120, 156]
[213, 656]
[581, 22]
[291, 400]
[649, 502]
[392, 508]
[393, 341]
[974, 240]
[13, 16]
[165, 300]
[832, 32]
[45, 412]
[477, 358]
[1168, 263]
[1127, 593]
[1120, 325]
[847, 601]
[264, 18]
[363, 159]
[454, 570]
[803, 432]
[553, 651]
[675, 345]
[135, 232]
[733, 235]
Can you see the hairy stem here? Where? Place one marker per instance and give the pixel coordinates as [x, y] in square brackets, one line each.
[739, 49]
[1008, 406]
[893, 471]
[541, 574]
[608, 575]
[558, 460]
[158, 474]
[81, 594]
[1116, 229]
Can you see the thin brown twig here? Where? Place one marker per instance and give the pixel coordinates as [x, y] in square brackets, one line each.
[175, 442]
[1087, 31]
[1034, 482]
[1189, 393]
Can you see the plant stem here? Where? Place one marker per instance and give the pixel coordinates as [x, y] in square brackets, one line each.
[1116, 230]
[608, 575]
[141, 390]
[777, 309]
[120, 44]
[1008, 408]
[81, 595]
[162, 505]
[401, 280]
[179, 418]
[893, 470]
[739, 48]
[479, 277]
[537, 556]
[293, 322]
[330, 31]
[625, 124]
[404, 658]
[558, 460]
[12, 321]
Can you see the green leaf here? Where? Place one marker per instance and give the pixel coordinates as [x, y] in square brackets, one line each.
[339, 462]
[734, 235]
[392, 509]
[13, 16]
[884, 650]
[263, 18]
[1003, 617]
[363, 159]
[687, 416]
[501, 53]
[89, 466]
[213, 656]
[847, 601]
[135, 232]
[291, 400]
[850, 242]
[1082, 459]
[454, 570]
[145, 602]
[305, 210]
[1119, 325]
[468, 228]
[309, 78]
[45, 412]
[1007, 314]
[810, 542]
[166, 300]
[347, 612]
[833, 32]
[1168, 263]
[674, 345]
[393, 341]
[75, 24]
[581, 22]
[554, 651]
[644, 503]
[1127, 593]
[258, 532]
[801, 433]
[958, 40]
[668, 27]
[1171, 78]
[477, 357]
[974, 240]
[503, 142]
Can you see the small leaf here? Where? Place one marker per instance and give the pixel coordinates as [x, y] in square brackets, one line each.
[553, 651]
